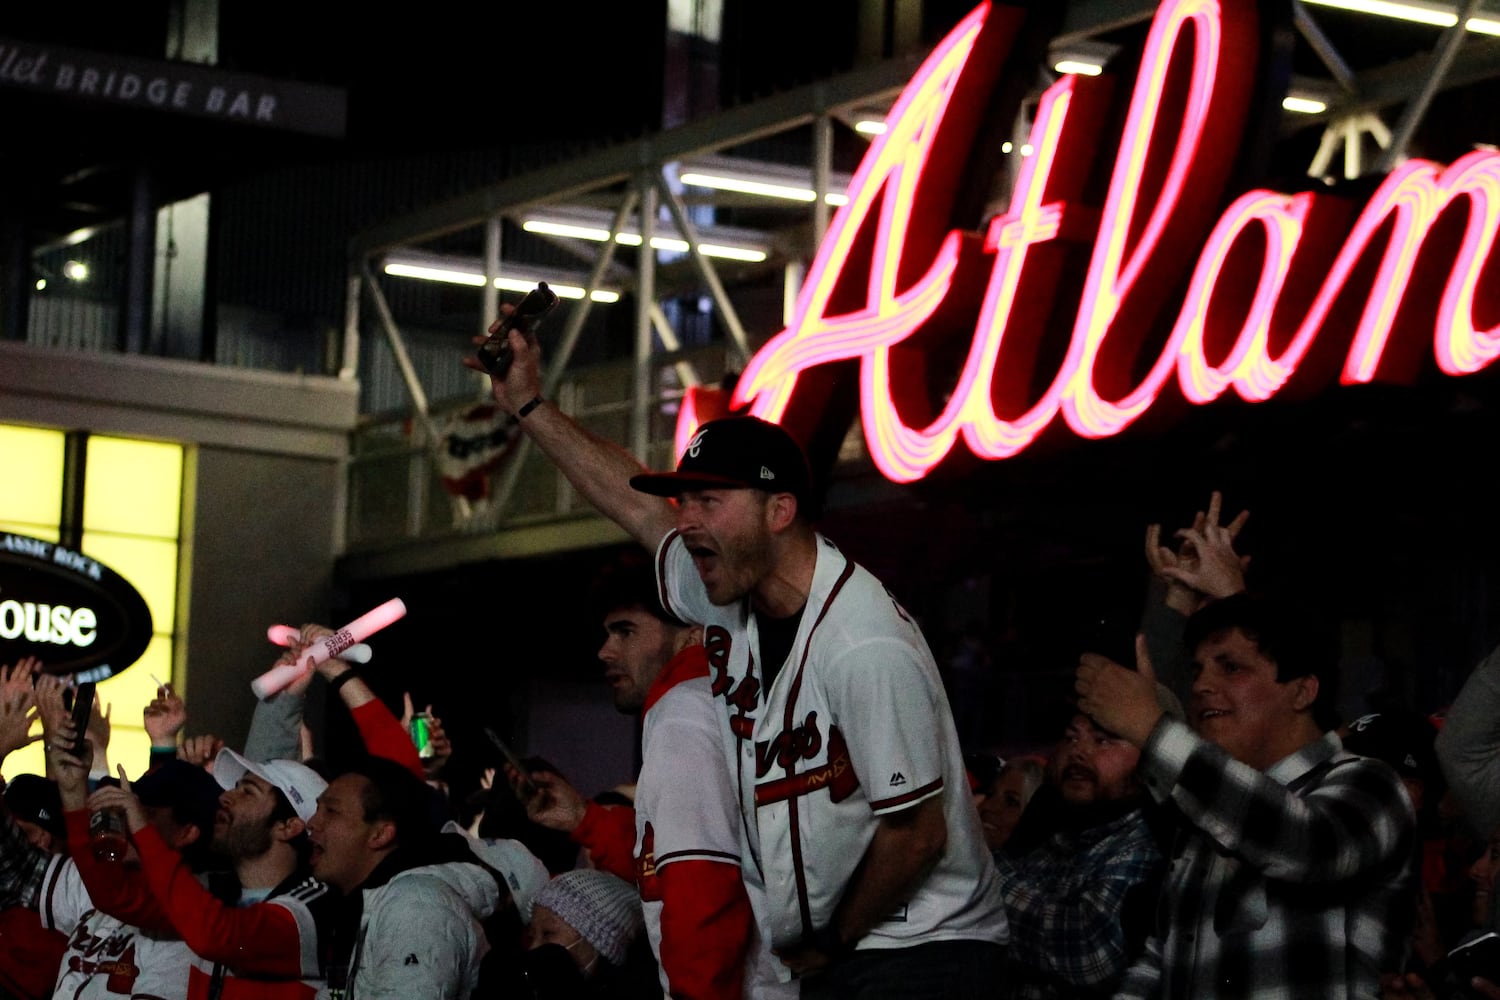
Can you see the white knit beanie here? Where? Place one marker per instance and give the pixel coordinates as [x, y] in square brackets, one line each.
[602, 907]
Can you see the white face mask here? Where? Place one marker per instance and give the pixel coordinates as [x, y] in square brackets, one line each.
[592, 962]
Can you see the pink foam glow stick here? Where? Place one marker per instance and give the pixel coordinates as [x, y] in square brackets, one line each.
[328, 647]
[285, 635]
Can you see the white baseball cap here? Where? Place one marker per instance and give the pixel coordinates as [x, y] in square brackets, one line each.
[524, 872]
[299, 783]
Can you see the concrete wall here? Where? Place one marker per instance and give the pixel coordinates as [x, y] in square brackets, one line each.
[259, 550]
[263, 491]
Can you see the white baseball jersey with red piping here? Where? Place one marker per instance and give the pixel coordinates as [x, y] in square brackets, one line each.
[686, 810]
[856, 725]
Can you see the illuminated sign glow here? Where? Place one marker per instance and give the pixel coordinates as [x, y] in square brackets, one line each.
[1270, 275]
[57, 624]
[68, 610]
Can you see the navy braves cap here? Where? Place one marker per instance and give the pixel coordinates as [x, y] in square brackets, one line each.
[737, 453]
[190, 792]
[1403, 739]
[36, 799]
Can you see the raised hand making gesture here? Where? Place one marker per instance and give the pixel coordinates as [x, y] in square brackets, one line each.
[98, 732]
[1205, 566]
[201, 750]
[17, 710]
[123, 799]
[164, 717]
[1118, 699]
[51, 708]
[20, 677]
[71, 773]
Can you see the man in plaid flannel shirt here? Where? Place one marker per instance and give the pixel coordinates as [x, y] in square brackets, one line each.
[1295, 866]
[1076, 901]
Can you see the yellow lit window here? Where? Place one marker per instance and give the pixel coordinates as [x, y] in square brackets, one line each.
[150, 564]
[31, 502]
[132, 506]
[133, 488]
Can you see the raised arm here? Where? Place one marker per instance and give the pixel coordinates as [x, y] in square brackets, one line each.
[22, 864]
[1358, 819]
[17, 709]
[215, 930]
[599, 469]
[113, 887]
[379, 729]
[276, 725]
[163, 719]
[1203, 567]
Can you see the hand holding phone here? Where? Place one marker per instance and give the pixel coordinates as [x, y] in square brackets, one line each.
[495, 353]
[528, 787]
[83, 707]
[1479, 957]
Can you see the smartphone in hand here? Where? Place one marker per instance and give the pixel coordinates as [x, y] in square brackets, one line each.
[1479, 957]
[528, 787]
[495, 352]
[83, 707]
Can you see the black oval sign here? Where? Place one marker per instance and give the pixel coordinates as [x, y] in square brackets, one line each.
[73, 613]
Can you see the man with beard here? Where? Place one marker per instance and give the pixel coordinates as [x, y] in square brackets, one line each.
[1076, 902]
[269, 942]
[272, 939]
[1293, 869]
[685, 825]
[864, 858]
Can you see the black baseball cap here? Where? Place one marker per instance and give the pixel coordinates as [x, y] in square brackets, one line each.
[189, 791]
[741, 452]
[1403, 739]
[36, 799]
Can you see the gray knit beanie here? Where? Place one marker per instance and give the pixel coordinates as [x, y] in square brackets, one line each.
[603, 908]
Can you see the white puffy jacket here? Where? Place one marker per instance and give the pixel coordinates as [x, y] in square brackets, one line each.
[420, 936]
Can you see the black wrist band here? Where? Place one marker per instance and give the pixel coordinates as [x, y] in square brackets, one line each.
[522, 413]
[342, 679]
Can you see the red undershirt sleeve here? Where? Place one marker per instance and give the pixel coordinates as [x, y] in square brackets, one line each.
[609, 835]
[117, 890]
[706, 927]
[383, 736]
[213, 929]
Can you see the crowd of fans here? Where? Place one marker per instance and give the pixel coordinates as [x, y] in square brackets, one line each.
[264, 873]
[805, 821]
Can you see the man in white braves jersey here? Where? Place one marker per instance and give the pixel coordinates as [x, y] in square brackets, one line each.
[865, 860]
[680, 845]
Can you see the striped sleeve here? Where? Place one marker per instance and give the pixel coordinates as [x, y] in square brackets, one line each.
[285, 936]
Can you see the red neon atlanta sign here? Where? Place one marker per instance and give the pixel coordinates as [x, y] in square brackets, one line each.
[1279, 283]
